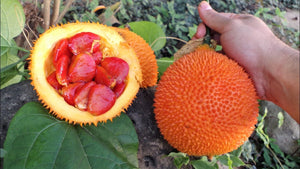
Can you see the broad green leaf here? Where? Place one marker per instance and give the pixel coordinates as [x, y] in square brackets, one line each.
[179, 159]
[9, 68]
[150, 32]
[12, 20]
[163, 64]
[37, 140]
[203, 163]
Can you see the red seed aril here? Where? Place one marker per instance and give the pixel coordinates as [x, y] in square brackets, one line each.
[97, 57]
[83, 42]
[100, 99]
[53, 81]
[82, 68]
[60, 49]
[62, 70]
[81, 95]
[116, 67]
[68, 92]
[102, 77]
[119, 88]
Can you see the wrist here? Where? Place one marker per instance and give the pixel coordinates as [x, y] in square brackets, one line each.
[282, 78]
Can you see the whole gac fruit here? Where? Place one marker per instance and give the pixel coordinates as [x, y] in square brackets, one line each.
[205, 104]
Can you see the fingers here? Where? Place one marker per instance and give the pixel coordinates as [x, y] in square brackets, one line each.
[201, 31]
[213, 19]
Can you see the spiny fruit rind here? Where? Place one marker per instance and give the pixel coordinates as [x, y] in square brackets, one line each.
[112, 44]
[144, 53]
[205, 104]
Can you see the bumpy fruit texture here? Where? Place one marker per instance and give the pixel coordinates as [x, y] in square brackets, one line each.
[145, 54]
[205, 104]
[83, 77]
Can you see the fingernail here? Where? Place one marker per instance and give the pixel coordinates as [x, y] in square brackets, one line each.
[204, 5]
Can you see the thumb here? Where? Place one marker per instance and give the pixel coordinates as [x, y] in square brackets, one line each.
[212, 18]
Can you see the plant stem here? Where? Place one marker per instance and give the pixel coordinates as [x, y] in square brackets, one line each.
[167, 38]
[62, 14]
[46, 14]
[55, 11]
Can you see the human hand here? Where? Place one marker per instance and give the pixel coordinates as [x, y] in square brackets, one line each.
[272, 65]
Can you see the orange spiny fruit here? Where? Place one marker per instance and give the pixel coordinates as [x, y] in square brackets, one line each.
[205, 104]
[145, 54]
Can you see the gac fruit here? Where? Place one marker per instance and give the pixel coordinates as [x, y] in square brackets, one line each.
[144, 53]
[205, 104]
[85, 72]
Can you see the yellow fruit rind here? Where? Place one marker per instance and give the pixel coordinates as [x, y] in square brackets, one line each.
[112, 45]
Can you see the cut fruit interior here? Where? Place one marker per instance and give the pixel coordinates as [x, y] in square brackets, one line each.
[75, 67]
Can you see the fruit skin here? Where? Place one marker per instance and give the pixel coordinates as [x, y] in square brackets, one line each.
[145, 54]
[111, 44]
[205, 104]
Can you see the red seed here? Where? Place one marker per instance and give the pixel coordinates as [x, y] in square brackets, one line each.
[68, 92]
[96, 46]
[61, 48]
[81, 95]
[62, 70]
[119, 88]
[116, 67]
[53, 81]
[84, 42]
[100, 99]
[82, 68]
[102, 77]
[97, 57]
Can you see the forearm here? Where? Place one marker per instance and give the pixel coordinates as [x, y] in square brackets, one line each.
[282, 78]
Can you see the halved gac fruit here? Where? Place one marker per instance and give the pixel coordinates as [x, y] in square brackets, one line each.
[79, 48]
[205, 104]
[145, 54]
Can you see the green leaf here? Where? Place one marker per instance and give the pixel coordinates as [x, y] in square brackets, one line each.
[191, 9]
[36, 140]
[150, 32]
[9, 71]
[260, 131]
[179, 159]
[267, 156]
[192, 31]
[230, 160]
[236, 161]
[12, 20]
[163, 64]
[203, 163]
[280, 119]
